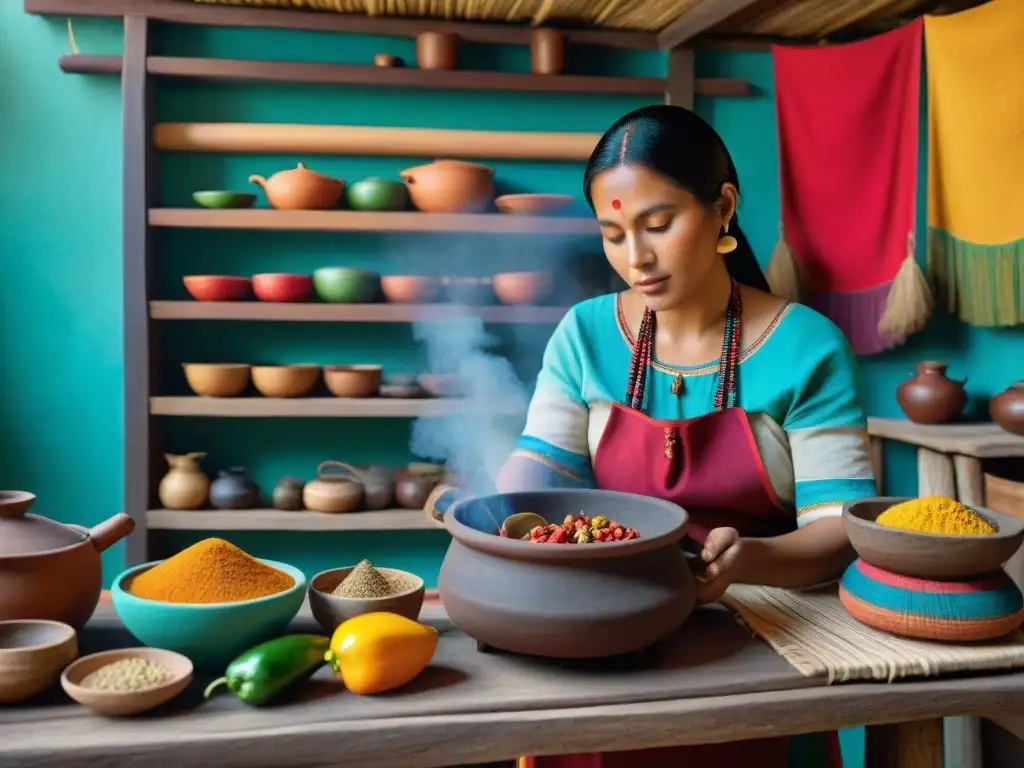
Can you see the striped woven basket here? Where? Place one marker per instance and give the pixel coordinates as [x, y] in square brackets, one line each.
[975, 609]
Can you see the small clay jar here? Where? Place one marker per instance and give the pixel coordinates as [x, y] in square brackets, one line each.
[378, 486]
[547, 52]
[184, 486]
[338, 488]
[929, 397]
[233, 490]
[436, 50]
[287, 494]
[1007, 408]
[412, 489]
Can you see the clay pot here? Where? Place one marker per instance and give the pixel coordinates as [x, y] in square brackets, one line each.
[300, 189]
[216, 379]
[48, 570]
[450, 186]
[378, 486]
[287, 494]
[353, 380]
[338, 488]
[282, 287]
[233, 490]
[523, 287]
[929, 397]
[412, 489]
[436, 50]
[217, 287]
[32, 656]
[284, 380]
[184, 486]
[386, 60]
[410, 289]
[440, 384]
[530, 204]
[1007, 408]
[471, 291]
[547, 52]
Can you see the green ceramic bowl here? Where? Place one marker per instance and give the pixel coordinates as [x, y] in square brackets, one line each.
[210, 634]
[222, 198]
[346, 285]
[377, 195]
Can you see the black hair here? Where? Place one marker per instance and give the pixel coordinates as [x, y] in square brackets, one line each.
[679, 145]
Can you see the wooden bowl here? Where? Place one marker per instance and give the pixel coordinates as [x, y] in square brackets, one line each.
[217, 379]
[929, 555]
[532, 205]
[217, 287]
[353, 380]
[410, 289]
[330, 611]
[126, 702]
[32, 654]
[284, 380]
[523, 287]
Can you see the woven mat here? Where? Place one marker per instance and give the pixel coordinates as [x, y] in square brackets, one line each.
[812, 631]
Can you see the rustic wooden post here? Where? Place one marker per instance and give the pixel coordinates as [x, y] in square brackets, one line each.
[681, 78]
[139, 190]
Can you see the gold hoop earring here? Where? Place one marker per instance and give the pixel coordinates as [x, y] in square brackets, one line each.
[726, 243]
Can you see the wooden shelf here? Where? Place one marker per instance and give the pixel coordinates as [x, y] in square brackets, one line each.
[276, 520]
[985, 440]
[394, 77]
[312, 407]
[369, 221]
[348, 313]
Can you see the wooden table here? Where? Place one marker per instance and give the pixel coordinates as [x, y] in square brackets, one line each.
[949, 458]
[710, 683]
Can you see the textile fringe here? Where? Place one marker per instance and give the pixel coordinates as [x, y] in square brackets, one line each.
[909, 304]
[982, 284]
[782, 272]
[813, 632]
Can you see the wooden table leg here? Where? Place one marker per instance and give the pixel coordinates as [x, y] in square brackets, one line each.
[878, 463]
[935, 474]
[905, 745]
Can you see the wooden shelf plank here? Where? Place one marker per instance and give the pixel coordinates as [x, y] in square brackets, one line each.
[348, 313]
[395, 77]
[180, 12]
[312, 407]
[276, 520]
[984, 440]
[369, 221]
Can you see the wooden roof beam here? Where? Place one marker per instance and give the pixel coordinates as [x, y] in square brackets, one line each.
[700, 19]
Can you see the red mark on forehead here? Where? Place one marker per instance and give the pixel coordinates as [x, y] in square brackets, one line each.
[616, 204]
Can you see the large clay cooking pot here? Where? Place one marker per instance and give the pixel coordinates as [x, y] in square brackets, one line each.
[929, 397]
[571, 600]
[1007, 408]
[49, 570]
[450, 186]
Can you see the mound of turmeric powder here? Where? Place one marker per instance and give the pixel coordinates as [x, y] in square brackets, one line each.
[936, 514]
[210, 571]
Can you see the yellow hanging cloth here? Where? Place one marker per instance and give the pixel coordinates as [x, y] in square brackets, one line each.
[975, 66]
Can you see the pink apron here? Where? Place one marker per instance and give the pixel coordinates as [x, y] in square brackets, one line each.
[711, 466]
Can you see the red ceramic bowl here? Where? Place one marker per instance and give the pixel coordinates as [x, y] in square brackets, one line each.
[217, 287]
[282, 287]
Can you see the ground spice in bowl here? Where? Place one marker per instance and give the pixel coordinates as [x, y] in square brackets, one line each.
[127, 675]
[210, 571]
[366, 582]
[936, 514]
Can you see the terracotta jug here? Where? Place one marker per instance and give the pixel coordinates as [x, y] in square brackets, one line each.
[1007, 408]
[300, 189]
[338, 488]
[929, 397]
[233, 490]
[184, 486]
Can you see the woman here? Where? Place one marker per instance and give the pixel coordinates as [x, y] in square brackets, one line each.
[698, 386]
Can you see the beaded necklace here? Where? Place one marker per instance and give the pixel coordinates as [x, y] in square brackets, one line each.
[725, 394]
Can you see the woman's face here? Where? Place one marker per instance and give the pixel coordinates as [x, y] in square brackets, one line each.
[657, 236]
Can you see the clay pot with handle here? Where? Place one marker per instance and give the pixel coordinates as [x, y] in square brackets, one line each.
[1007, 408]
[338, 488]
[929, 397]
[300, 189]
[49, 570]
[233, 489]
[184, 486]
[450, 186]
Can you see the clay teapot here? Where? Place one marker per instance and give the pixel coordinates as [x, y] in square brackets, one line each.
[287, 494]
[300, 189]
[929, 397]
[450, 186]
[338, 488]
[233, 490]
[1007, 408]
[184, 486]
[49, 570]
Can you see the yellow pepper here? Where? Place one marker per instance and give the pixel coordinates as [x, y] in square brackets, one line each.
[378, 652]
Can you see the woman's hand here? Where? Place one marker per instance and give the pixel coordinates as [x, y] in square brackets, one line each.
[722, 554]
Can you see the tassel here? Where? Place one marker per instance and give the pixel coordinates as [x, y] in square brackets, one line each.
[909, 304]
[782, 273]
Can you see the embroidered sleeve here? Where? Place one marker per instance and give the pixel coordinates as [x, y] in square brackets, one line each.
[553, 449]
[827, 430]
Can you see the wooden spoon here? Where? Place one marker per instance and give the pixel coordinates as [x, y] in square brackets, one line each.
[519, 525]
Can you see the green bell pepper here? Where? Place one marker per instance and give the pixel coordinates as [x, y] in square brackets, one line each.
[262, 673]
